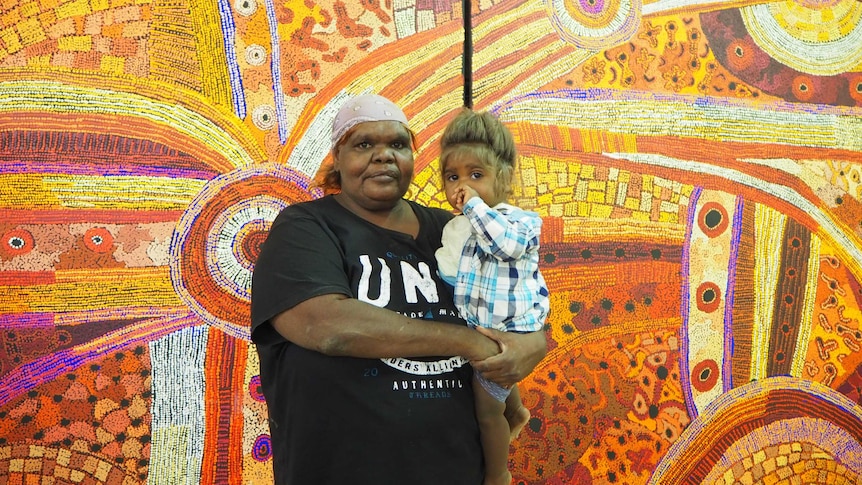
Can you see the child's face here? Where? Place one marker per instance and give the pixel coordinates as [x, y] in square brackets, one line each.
[465, 170]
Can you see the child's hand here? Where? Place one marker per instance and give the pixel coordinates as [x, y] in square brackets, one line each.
[462, 195]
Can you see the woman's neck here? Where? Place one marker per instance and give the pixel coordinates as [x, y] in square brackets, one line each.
[398, 217]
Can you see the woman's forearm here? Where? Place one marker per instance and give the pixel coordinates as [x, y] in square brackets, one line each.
[521, 354]
[339, 325]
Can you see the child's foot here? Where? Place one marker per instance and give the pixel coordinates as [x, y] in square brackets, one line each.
[517, 420]
[502, 479]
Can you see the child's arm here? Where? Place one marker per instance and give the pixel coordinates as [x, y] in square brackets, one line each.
[506, 237]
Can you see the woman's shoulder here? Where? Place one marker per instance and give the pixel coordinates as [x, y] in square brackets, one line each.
[307, 207]
[311, 211]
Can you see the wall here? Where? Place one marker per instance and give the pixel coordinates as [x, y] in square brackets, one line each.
[696, 164]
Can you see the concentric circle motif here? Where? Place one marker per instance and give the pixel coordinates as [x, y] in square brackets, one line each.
[821, 39]
[255, 390]
[245, 7]
[708, 297]
[262, 448]
[17, 242]
[759, 432]
[263, 116]
[799, 51]
[704, 375]
[218, 240]
[232, 249]
[803, 88]
[252, 236]
[740, 53]
[592, 7]
[595, 24]
[855, 86]
[99, 240]
[255, 54]
[712, 219]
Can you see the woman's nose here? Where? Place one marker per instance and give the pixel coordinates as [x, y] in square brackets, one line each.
[383, 154]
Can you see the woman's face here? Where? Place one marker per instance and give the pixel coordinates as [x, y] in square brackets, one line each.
[375, 160]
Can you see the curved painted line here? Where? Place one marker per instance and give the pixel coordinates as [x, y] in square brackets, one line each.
[618, 30]
[749, 391]
[846, 450]
[821, 59]
[853, 253]
[55, 97]
[736, 236]
[51, 367]
[699, 117]
[275, 66]
[685, 286]
[228, 28]
[51, 167]
[663, 7]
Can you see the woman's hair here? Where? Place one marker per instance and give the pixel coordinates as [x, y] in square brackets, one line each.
[482, 135]
[327, 177]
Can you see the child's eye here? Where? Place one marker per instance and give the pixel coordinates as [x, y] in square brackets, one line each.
[476, 175]
[451, 178]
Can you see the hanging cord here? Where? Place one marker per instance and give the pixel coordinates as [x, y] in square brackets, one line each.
[467, 58]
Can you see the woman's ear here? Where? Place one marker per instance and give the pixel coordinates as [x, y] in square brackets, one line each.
[334, 154]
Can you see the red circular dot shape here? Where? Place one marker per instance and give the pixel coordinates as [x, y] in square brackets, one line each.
[99, 239]
[708, 297]
[704, 375]
[803, 88]
[17, 242]
[740, 54]
[712, 219]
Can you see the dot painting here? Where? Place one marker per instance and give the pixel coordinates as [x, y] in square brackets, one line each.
[696, 168]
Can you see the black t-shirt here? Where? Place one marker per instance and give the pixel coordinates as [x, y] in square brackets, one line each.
[337, 420]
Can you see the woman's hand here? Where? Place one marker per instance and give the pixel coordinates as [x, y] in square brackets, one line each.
[519, 355]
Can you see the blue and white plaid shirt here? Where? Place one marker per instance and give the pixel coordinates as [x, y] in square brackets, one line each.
[498, 283]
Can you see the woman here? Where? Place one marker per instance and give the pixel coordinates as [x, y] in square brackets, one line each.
[358, 338]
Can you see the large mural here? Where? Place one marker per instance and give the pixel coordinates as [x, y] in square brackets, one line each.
[696, 163]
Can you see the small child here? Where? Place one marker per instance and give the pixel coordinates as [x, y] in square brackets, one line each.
[490, 255]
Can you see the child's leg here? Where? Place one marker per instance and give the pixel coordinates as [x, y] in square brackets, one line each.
[516, 413]
[494, 433]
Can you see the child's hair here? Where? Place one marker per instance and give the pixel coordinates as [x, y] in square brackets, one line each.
[482, 135]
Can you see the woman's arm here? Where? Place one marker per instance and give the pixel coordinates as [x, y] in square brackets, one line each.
[521, 353]
[335, 324]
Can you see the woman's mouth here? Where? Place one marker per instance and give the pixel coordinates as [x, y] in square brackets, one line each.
[385, 174]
